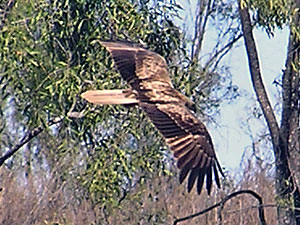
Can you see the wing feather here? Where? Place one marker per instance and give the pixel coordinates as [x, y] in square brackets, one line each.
[192, 178]
[209, 178]
[200, 181]
[190, 142]
[184, 146]
[187, 158]
[136, 64]
[184, 172]
[217, 179]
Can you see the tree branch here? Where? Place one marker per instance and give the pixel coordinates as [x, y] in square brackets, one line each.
[28, 137]
[219, 54]
[281, 137]
[289, 127]
[261, 213]
[202, 14]
[256, 76]
[290, 99]
[6, 10]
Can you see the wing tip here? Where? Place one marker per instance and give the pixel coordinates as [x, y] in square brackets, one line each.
[200, 174]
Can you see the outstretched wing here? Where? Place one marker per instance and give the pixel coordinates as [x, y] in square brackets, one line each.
[147, 74]
[137, 64]
[190, 142]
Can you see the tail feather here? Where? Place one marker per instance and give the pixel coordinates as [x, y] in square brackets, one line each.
[104, 97]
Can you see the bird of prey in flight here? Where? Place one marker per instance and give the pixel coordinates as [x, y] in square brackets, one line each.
[169, 110]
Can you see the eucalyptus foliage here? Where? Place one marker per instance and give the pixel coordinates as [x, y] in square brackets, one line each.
[50, 54]
[273, 14]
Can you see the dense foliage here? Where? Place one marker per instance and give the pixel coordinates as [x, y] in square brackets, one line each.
[49, 55]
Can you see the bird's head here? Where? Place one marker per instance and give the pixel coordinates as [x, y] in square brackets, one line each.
[191, 105]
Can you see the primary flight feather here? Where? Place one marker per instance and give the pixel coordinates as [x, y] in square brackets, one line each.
[169, 110]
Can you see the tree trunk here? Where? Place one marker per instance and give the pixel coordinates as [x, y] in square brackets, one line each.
[285, 139]
[289, 129]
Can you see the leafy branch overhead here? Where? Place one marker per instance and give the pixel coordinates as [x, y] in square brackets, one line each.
[49, 60]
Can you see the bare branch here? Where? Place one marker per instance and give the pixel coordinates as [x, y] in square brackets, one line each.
[27, 138]
[221, 204]
[202, 14]
[219, 54]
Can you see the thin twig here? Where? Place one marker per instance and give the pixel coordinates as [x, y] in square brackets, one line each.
[202, 14]
[6, 10]
[223, 201]
[28, 137]
[222, 51]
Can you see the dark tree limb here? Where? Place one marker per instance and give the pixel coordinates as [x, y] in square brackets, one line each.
[221, 204]
[256, 76]
[289, 128]
[290, 96]
[283, 137]
[27, 138]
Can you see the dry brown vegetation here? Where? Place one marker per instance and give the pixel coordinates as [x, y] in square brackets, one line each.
[45, 199]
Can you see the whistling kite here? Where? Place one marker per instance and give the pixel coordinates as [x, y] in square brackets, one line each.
[152, 90]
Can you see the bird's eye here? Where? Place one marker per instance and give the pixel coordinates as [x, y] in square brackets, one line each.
[191, 106]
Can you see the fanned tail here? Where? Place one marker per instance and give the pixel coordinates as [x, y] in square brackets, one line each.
[104, 97]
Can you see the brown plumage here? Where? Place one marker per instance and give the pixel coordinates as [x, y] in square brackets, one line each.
[152, 90]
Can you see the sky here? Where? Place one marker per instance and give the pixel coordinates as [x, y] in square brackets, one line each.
[230, 135]
[233, 139]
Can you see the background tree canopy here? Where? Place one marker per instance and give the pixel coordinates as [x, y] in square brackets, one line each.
[68, 162]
